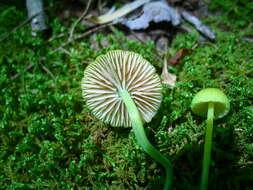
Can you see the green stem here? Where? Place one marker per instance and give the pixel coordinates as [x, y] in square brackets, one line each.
[208, 146]
[142, 138]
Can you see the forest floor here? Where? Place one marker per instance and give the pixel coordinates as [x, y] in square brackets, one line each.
[49, 139]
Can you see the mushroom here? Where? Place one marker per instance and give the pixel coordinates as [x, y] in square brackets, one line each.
[213, 104]
[122, 89]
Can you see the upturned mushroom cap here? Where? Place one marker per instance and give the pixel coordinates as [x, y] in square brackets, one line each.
[200, 102]
[121, 70]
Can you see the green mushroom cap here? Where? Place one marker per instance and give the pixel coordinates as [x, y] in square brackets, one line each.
[200, 102]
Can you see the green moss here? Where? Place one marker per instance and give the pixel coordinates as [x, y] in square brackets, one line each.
[49, 140]
[239, 12]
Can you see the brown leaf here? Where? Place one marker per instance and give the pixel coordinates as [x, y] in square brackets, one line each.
[178, 56]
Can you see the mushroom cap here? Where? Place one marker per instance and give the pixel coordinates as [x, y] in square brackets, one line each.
[200, 102]
[121, 70]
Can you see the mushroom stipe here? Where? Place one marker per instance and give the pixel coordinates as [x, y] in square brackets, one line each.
[213, 104]
[122, 88]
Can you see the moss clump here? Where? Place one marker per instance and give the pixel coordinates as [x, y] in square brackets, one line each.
[49, 140]
[237, 11]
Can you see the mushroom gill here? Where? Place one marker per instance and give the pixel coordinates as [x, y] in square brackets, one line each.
[118, 70]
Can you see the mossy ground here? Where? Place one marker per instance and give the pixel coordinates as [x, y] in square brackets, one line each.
[49, 140]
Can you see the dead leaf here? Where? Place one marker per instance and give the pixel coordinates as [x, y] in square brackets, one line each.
[168, 78]
[178, 56]
[108, 17]
[154, 12]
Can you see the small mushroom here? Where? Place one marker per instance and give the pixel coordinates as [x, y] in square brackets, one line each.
[121, 88]
[213, 104]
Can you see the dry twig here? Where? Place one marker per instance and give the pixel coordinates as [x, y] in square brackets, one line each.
[72, 29]
[60, 48]
[46, 69]
[50, 40]
[81, 36]
[30, 66]
[20, 73]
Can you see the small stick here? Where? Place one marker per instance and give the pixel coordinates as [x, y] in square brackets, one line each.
[50, 40]
[66, 51]
[82, 35]
[47, 71]
[61, 47]
[19, 74]
[203, 29]
[29, 67]
[72, 29]
[119, 41]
